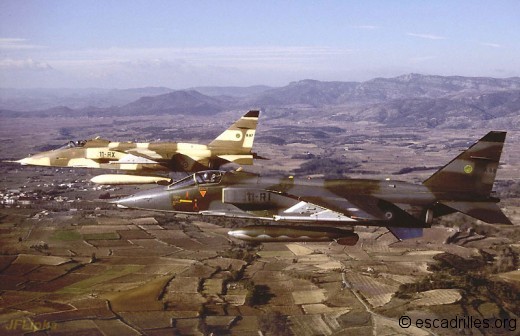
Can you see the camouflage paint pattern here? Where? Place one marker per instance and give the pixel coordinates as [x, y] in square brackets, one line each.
[340, 202]
[233, 145]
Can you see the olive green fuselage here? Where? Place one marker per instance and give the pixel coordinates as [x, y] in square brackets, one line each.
[359, 201]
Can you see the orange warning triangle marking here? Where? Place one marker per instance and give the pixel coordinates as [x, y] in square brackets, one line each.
[203, 192]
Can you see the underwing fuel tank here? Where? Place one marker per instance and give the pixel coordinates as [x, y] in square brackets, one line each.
[123, 179]
[288, 233]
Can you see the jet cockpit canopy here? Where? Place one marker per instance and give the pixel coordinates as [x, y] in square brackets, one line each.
[73, 144]
[208, 177]
[199, 178]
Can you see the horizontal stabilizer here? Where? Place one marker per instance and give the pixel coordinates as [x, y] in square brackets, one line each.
[485, 211]
[406, 233]
[258, 157]
[244, 159]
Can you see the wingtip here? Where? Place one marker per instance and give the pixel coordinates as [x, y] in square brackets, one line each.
[252, 114]
[258, 157]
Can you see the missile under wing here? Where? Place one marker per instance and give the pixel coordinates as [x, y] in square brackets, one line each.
[463, 185]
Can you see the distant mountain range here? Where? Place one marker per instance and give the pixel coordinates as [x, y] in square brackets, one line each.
[42, 99]
[413, 99]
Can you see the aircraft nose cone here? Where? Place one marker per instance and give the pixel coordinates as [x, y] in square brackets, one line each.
[134, 201]
[149, 200]
[35, 160]
[25, 161]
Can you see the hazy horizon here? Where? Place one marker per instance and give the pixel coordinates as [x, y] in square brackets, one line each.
[235, 86]
[181, 44]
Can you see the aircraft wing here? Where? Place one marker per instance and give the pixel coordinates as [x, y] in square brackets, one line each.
[147, 156]
[357, 210]
[364, 208]
[134, 159]
[306, 211]
[179, 161]
[241, 159]
[374, 211]
[144, 153]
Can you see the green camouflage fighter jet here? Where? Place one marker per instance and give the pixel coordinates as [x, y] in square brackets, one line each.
[463, 185]
[141, 160]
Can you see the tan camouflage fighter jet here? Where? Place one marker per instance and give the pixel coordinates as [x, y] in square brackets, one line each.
[142, 160]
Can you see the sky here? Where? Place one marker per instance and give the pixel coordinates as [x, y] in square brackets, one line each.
[181, 44]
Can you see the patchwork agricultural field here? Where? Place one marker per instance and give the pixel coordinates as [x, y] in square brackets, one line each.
[72, 263]
[158, 274]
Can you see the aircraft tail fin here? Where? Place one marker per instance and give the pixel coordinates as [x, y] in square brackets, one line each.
[239, 137]
[473, 170]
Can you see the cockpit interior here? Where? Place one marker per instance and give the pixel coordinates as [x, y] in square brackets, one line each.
[199, 178]
[73, 144]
